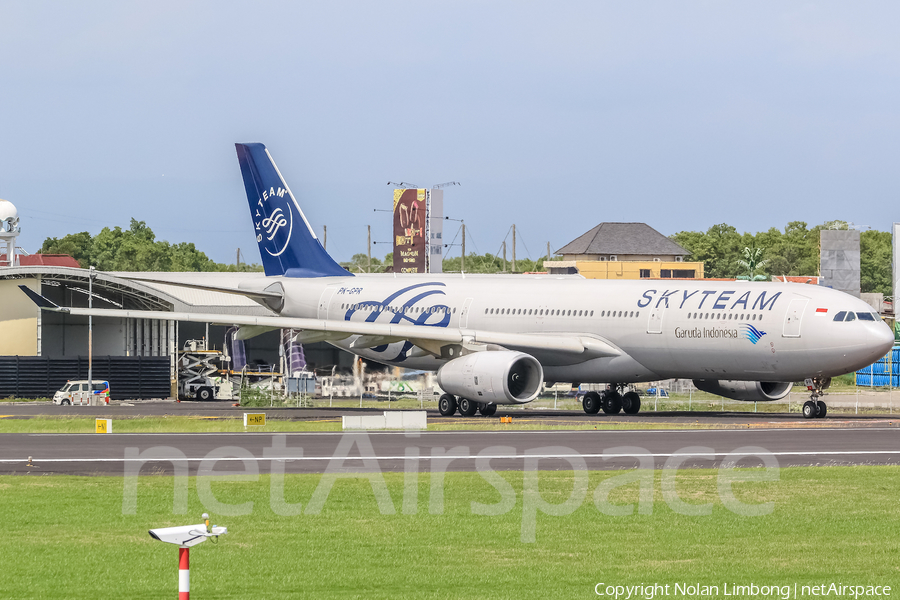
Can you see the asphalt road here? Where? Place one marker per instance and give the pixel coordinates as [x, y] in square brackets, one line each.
[117, 454]
[225, 409]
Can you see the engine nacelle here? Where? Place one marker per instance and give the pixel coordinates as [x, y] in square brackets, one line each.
[501, 377]
[747, 391]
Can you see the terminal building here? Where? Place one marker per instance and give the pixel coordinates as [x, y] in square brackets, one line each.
[625, 251]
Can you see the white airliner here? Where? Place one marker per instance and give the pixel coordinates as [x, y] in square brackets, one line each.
[494, 339]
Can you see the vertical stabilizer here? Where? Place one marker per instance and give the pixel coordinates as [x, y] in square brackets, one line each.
[287, 244]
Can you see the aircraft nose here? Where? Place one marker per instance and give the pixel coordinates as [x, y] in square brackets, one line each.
[881, 339]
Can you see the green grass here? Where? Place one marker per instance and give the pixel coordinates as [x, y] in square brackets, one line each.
[67, 537]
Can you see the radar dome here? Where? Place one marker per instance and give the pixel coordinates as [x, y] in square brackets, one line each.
[8, 211]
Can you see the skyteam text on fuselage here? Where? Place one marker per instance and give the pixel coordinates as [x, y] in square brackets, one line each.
[494, 339]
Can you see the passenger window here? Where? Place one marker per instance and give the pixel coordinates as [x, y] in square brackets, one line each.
[850, 316]
[592, 313]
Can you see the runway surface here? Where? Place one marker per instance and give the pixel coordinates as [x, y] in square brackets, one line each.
[225, 409]
[116, 454]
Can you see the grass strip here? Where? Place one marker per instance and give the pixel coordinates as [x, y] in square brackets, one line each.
[67, 537]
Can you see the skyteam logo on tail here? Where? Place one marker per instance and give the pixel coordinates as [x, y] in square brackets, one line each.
[752, 333]
[274, 220]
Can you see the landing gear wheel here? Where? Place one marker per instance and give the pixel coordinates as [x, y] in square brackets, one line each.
[204, 394]
[810, 410]
[467, 408]
[591, 403]
[822, 409]
[612, 403]
[631, 403]
[447, 405]
[487, 410]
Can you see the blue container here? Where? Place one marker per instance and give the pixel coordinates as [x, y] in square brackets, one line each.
[863, 379]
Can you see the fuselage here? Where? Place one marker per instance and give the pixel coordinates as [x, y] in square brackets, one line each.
[693, 329]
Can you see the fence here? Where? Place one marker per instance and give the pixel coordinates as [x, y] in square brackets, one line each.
[129, 376]
[885, 372]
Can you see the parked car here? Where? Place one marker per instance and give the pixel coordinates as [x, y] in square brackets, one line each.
[657, 392]
[76, 392]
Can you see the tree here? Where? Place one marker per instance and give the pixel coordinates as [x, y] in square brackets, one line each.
[134, 249]
[875, 262]
[752, 262]
[77, 245]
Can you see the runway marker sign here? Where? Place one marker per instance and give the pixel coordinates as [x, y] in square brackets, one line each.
[254, 419]
[103, 426]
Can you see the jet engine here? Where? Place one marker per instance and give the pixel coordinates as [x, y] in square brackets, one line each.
[747, 391]
[501, 377]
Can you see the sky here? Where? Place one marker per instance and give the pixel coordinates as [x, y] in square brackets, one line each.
[554, 116]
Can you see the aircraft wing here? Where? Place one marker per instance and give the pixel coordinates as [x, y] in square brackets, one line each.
[371, 334]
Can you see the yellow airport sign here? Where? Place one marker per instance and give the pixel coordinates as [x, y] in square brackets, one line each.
[103, 425]
[254, 419]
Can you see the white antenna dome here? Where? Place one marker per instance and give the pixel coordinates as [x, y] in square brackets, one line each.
[8, 211]
[9, 216]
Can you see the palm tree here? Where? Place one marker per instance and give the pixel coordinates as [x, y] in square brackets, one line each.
[752, 262]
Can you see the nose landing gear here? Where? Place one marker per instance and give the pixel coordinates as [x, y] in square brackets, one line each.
[815, 408]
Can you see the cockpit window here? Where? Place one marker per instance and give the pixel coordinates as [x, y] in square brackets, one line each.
[850, 316]
[865, 316]
[840, 316]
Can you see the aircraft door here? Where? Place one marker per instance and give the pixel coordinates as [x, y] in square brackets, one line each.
[325, 301]
[654, 325]
[464, 314]
[793, 317]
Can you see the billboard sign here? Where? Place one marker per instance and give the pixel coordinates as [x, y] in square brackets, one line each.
[409, 231]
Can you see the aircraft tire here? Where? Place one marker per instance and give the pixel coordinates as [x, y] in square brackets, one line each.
[487, 410]
[467, 408]
[204, 394]
[612, 403]
[810, 410]
[447, 405]
[591, 403]
[822, 410]
[631, 403]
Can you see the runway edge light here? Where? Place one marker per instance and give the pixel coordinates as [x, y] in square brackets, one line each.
[185, 537]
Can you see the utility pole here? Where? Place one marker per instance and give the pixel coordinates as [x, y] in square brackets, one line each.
[462, 262]
[92, 273]
[237, 260]
[369, 251]
[504, 256]
[514, 249]
[325, 237]
[548, 256]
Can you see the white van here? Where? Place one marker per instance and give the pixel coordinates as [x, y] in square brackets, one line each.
[76, 392]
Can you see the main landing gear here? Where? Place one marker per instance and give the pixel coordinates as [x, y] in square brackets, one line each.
[815, 408]
[611, 401]
[449, 404]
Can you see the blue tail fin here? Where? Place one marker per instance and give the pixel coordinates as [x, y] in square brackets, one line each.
[287, 244]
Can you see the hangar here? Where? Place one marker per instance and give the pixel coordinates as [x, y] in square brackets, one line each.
[26, 331]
